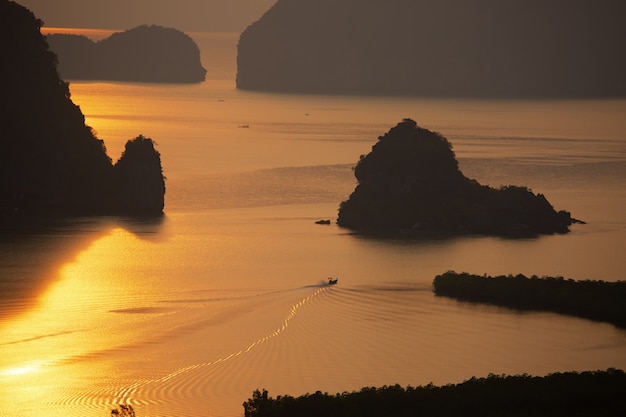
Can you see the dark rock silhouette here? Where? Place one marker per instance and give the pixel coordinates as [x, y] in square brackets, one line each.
[411, 183]
[50, 161]
[141, 185]
[454, 48]
[143, 54]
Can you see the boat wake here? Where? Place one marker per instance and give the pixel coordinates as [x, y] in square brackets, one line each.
[127, 394]
[332, 338]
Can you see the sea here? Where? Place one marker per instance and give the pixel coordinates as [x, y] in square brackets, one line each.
[187, 315]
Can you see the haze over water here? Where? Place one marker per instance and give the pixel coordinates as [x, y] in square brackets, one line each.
[188, 315]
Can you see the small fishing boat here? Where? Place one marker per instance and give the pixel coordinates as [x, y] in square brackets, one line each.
[332, 281]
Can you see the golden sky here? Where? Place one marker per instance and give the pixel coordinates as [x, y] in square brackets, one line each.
[186, 15]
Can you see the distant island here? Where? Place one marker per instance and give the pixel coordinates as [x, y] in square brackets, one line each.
[410, 184]
[594, 300]
[151, 54]
[438, 48]
[50, 161]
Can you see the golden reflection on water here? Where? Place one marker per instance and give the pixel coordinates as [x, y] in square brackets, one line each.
[66, 325]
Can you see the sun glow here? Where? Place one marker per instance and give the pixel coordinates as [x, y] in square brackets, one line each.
[21, 370]
[93, 34]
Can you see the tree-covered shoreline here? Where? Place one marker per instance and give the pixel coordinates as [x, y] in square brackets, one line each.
[590, 393]
[597, 393]
[595, 300]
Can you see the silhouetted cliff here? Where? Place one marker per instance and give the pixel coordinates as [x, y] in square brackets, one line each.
[486, 48]
[142, 54]
[141, 185]
[50, 161]
[411, 183]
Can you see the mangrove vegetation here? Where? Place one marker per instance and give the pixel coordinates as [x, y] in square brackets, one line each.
[598, 394]
[595, 300]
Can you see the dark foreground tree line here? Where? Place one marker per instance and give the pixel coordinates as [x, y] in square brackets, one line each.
[593, 393]
[598, 394]
[595, 300]
[571, 394]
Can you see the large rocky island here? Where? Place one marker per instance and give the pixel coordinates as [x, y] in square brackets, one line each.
[50, 161]
[144, 54]
[410, 183]
[451, 48]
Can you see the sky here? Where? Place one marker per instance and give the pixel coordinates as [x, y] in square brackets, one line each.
[185, 15]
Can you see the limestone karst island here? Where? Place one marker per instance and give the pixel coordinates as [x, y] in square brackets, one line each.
[410, 183]
[50, 161]
[150, 54]
[444, 48]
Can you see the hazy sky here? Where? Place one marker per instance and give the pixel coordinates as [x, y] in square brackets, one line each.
[186, 15]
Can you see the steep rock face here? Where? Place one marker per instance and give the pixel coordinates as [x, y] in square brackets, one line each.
[411, 183]
[50, 161]
[141, 186]
[143, 54]
[455, 48]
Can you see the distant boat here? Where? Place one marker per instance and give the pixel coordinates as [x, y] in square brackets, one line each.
[332, 281]
[323, 222]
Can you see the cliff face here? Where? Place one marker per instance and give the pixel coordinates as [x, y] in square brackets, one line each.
[141, 185]
[142, 54]
[455, 48]
[50, 161]
[411, 183]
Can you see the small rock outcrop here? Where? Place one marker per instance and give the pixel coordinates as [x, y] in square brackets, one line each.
[50, 160]
[438, 48]
[410, 183]
[140, 183]
[151, 54]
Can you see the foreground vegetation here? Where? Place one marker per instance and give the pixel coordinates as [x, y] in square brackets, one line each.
[123, 411]
[593, 393]
[595, 300]
[571, 394]
[598, 394]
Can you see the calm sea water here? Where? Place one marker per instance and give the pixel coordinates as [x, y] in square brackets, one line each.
[188, 315]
